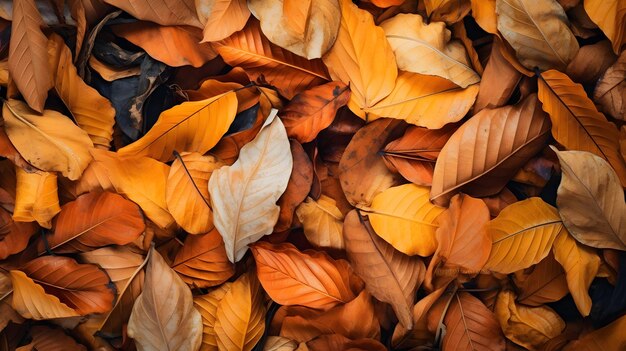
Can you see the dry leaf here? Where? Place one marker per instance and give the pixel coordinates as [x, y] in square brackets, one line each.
[316, 24]
[50, 142]
[591, 204]
[187, 192]
[543, 283]
[163, 12]
[244, 195]
[610, 337]
[164, 319]
[322, 222]
[222, 18]
[36, 197]
[610, 92]
[207, 306]
[538, 32]
[609, 15]
[411, 38]
[291, 277]
[14, 236]
[389, 275]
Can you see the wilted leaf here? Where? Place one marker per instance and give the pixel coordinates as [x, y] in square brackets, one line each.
[370, 76]
[187, 192]
[36, 197]
[522, 235]
[50, 142]
[610, 92]
[164, 318]
[239, 318]
[576, 124]
[406, 219]
[389, 275]
[306, 28]
[322, 222]
[538, 32]
[31, 301]
[14, 236]
[202, 261]
[194, 126]
[486, 152]
[244, 195]
[427, 49]
[94, 220]
[608, 338]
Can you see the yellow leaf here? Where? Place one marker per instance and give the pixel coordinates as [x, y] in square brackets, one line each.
[36, 197]
[187, 192]
[317, 27]
[194, 126]
[163, 12]
[405, 218]
[522, 235]
[163, 317]
[576, 123]
[222, 18]
[240, 315]
[322, 222]
[370, 75]
[32, 302]
[581, 264]
[427, 49]
[530, 327]
[244, 195]
[538, 31]
[426, 101]
[207, 306]
[484, 12]
[92, 112]
[50, 142]
[610, 16]
[141, 179]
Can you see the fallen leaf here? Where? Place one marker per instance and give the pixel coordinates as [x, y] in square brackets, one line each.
[317, 24]
[222, 18]
[485, 152]
[36, 197]
[278, 343]
[542, 283]
[370, 77]
[32, 302]
[576, 124]
[449, 11]
[484, 12]
[244, 195]
[591, 62]
[609, 337]
[322, 222]
[610, 91]
[14, 236]
[163, 12]
[46, 338]
[179, 128]
[187, 192]
[164, 319]
[202, 261]
[438, 55]
[389, 275]
[522, 235]
[207, 306]
[406, 219]
[310, 279]
[538, 32]
[610, 17]
[50, 142]
[591, 204]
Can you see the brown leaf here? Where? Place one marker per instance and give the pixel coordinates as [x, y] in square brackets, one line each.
[389, 275]
[53, 339]
[485, 152]
[591, 62]
[610, 92]
[610, 337]
[202, 261]
[163, 12]
[542, 283]
[14, 236]
[222, 18]
[28, 55]
[207, 306]
[313, 110]
[94, 220]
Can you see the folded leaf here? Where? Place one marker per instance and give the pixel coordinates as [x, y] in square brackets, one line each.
[28, 56]
[389, 275]
[310, 279]
[94, 220]
[370, 76]
[576, 124]
[92, 112]
[542, 283]
[322, 222]
[538, 32]
[610, 16]
[610, 91]
[50, 142]
[406, 219]
[306, 28]
[31, 301]
[581, 265]
[591, 203]
[426, 101]
[298, 187]
[14, 236]
[607, 338]
[244, 195]
[194, 126]
[202, 261]
[411, 39]
[522, 235]
[207, 306]
[239, 322]
[289, 73]
[222, 18]
[486, 151]
[36, 197]
[163, 317]
[187, 192]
